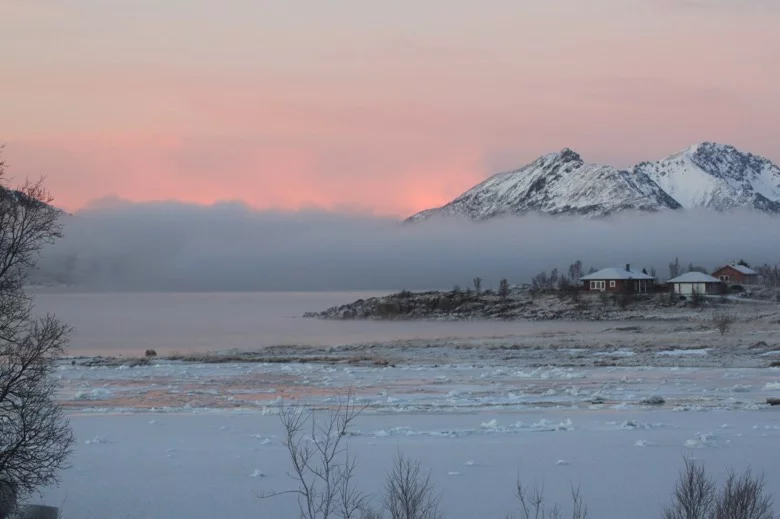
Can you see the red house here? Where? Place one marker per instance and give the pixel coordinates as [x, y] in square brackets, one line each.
[617, 279]
[736, 274]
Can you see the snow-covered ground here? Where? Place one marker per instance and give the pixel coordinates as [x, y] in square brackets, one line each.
[477, 403]
[203, 440]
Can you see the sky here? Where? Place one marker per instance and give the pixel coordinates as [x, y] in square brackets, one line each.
[361, 107]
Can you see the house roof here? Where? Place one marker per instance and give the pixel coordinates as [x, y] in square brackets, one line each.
[616, 273]
[741, 269]
[694, 277]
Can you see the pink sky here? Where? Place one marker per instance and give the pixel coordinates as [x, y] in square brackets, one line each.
[388, 107]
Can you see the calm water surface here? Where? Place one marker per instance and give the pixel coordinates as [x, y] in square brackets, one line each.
[129, 323]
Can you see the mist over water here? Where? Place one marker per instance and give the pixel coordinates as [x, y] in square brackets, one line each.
[228, 246]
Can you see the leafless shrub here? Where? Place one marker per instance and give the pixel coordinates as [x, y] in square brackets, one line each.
[743, 497]
[321, 466]
[694, 495]
[697, 298]
[478, 285]
[410, 494]
[625, 297]
[723, 322]
[532, 505]
[35, 438]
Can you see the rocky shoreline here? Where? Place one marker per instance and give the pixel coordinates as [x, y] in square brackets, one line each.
[519, 304]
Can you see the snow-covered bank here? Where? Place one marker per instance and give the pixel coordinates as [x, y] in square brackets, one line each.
[262, 388]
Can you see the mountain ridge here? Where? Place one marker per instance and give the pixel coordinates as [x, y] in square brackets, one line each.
[709, 175]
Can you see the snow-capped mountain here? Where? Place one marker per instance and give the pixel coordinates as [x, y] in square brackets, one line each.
[706, 175]
[716, 176]
[558, 183]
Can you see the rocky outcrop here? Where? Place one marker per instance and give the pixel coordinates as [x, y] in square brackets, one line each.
[520, 304]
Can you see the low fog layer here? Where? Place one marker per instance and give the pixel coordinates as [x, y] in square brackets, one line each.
[171, 246]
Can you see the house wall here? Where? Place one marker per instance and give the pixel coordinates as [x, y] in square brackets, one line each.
[734, 277]
[646, 285]
[687, 289]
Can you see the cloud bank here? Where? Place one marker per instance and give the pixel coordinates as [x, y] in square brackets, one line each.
[228, 246]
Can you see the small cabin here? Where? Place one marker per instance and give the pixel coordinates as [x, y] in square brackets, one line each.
[696, 283]
[736, 274]
[618, 279]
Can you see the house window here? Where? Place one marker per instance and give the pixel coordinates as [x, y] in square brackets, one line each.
[724, 278]
[611, 284]
[597, 285]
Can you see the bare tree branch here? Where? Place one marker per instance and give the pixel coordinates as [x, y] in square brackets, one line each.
[322, 469]
[694, 494]
[410, 494]
[35, 438]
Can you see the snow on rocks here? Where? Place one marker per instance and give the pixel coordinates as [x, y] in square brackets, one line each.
[654, 400]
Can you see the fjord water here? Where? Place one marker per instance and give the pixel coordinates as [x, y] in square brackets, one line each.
[129, 323]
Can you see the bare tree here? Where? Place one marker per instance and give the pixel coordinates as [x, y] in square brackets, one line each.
[674, 268]
[478, 285]
[743, 497]
[553, 277]
[410, 494]
[532, 504]
[369, 513]
[575, 272]
[543, 282]
[35, 438]
[694, 495]
[769, 274]
[503, 289]
[322, 468]
[697, 268]
[723, 322]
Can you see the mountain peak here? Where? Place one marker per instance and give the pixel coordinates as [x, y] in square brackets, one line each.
[568, 155]
[708, 174]
[718, 176]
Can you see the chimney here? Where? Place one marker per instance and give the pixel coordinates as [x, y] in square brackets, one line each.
[628, 267]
